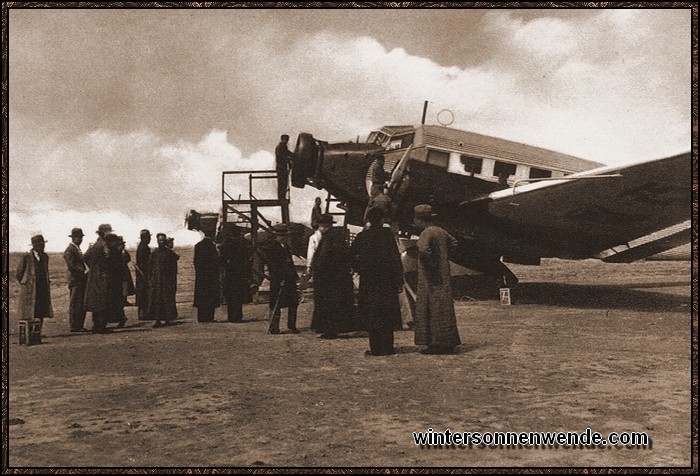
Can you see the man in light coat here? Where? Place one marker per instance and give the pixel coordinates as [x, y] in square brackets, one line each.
[435, 322]
[33, 276]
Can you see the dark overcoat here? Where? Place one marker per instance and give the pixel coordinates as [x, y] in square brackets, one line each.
[376, 258]
[236, 259]
[333, 287]
[114, 269]
[207, 283]
[143, 273]
[161, 302]
[281, 269]
[96, 292]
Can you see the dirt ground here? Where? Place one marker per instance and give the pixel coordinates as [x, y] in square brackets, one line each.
[584, 345]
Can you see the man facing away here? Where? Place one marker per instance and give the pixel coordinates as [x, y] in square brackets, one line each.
[207, 283]
[435, 323]
[333, 286]
[236, 259]
[283, 279]
[376, 258]
[97, 288]
[77, 279]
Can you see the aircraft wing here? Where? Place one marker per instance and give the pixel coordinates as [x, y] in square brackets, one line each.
[601, 213]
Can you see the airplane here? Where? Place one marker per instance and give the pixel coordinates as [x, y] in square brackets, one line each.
[505, 201]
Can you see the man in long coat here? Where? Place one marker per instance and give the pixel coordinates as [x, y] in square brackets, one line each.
[376, 259]
[333, 287]
[435, 322]
[114, 270]
[143, 273]
[283, 279]
[236, 259]
[161, 301]
[207, 283]
[33, 276]
[97, 288]
[77, 279]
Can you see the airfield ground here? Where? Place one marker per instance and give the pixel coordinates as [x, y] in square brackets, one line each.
[585, 345]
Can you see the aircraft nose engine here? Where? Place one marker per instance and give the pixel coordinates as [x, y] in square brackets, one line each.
[306, 160]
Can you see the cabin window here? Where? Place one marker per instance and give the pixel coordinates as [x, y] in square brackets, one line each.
[406, 140]
[472, 165]
[400, 142]
[439, 158]
[503, 168]
[539, 173]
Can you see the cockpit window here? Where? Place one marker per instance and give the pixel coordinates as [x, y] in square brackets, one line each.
[378, 138]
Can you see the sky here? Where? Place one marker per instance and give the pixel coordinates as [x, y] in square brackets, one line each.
[129, 116]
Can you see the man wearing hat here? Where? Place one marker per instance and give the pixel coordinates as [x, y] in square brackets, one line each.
[236, 259]
[97, 288]
[33, 276]
[376, 258]
[207, 281]
[143, 272]
[333, 286]
[162, 306]
[435, 323]
[283, 279]
[77, 279]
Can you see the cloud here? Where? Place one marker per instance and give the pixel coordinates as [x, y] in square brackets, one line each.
[140, 138]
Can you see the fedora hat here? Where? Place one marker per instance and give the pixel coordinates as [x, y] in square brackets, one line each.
[104, 228]
[326, 219]
[38, 240]
[423, 212]
[76, 232]
[280, 229]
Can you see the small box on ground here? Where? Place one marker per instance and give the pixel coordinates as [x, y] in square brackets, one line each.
[505, 296]
[30, 332]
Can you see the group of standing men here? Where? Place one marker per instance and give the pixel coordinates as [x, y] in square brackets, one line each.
[99, 281]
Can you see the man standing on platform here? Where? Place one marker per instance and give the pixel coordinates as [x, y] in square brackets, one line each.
[284, 159]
